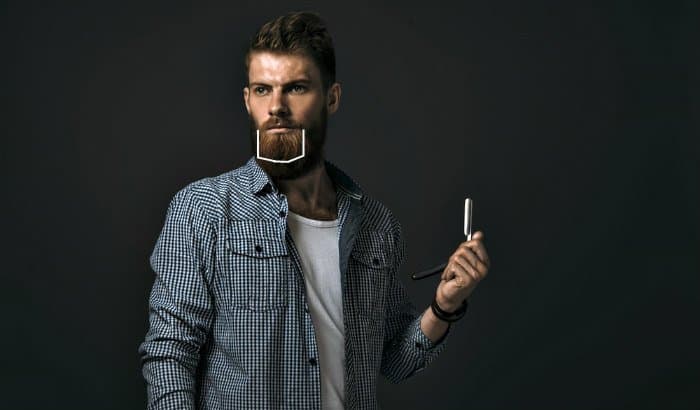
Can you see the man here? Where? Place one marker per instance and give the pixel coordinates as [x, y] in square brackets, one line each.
[277, 283]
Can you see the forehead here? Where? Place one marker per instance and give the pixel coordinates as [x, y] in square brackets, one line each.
[271, 68]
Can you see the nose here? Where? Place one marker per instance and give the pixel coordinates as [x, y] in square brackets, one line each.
[278, 104]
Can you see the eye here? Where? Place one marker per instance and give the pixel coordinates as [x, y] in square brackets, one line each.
[260, 90]
[297, 89]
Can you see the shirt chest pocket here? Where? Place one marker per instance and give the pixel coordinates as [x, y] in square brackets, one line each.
[254, 273]
[368, 274]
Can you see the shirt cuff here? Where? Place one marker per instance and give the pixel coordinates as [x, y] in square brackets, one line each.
[423, 342]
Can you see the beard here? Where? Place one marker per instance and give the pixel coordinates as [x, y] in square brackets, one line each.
[287, 145]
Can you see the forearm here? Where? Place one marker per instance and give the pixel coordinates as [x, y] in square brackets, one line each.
[407, 348]
[170, 358]
[169, 384]
[433, 327]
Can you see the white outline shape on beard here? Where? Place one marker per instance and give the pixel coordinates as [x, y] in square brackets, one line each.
[280, 161]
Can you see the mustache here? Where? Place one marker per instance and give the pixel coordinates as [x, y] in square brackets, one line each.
[278, 123]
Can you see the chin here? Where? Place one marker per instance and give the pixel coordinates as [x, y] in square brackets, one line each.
[292, 170]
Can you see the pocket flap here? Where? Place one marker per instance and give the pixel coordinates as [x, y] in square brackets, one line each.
[256, 247]
[375, 260]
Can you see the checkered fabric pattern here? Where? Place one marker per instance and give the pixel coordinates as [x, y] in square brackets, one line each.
[229, 322]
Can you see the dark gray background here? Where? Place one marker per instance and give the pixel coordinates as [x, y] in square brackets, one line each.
[573, 127]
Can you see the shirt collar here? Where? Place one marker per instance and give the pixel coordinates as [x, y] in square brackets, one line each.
[259, 181]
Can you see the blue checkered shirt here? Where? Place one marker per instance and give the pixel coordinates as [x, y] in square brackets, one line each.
[230, 326]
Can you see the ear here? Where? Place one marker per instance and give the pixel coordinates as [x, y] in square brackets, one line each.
[333, 97]
[246, 93]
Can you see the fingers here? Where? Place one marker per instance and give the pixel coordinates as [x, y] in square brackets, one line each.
[476, 244]
[474, 261]
[463, 263]
[470, 261]
[459, 271]
[467, 267]
[480, 252]
[470, 258]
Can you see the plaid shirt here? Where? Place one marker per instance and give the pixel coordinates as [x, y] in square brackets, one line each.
[229, 322]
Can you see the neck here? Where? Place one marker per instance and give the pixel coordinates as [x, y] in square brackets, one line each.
[311, 195]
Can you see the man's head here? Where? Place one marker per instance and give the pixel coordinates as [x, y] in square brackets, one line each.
[291, 86]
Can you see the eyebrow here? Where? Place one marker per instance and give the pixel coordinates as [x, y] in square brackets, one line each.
[297, 81]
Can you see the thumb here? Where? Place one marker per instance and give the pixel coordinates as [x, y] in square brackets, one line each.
[478, 235]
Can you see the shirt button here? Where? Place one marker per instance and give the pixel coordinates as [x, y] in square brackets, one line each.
[375, 261]
[312, 361]
[258, 248]
[282, 214]
[419, 344]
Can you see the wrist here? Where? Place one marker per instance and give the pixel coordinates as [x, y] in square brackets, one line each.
[433, 327]
[449, 316]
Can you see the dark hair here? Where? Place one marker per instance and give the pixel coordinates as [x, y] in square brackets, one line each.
[297, 33]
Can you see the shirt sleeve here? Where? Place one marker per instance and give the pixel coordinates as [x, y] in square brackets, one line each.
[180, 307]
[407, 350]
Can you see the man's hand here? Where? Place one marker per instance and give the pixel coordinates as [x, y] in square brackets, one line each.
[467, 266]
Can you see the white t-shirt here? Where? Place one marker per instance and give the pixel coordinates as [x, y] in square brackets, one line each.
[317, 243]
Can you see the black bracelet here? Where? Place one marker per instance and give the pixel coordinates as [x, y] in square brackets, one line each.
[449, 316]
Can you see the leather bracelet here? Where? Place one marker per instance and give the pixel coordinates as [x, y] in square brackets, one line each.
[449, 316]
